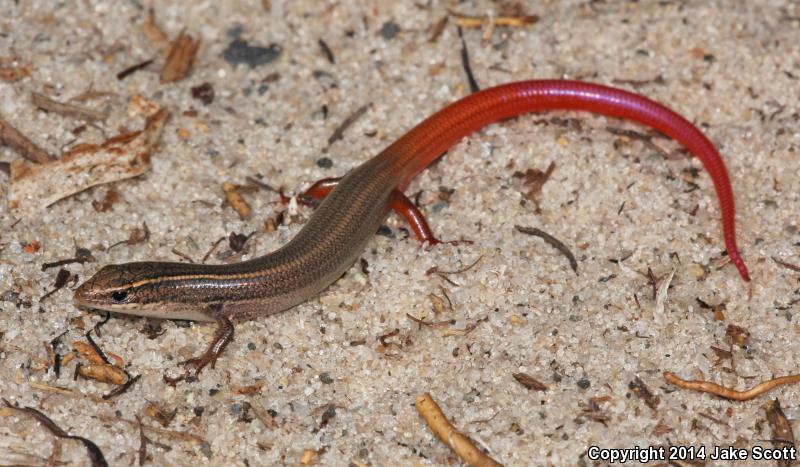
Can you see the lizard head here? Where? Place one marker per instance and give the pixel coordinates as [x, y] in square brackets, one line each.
[112, 288]
[150, 289]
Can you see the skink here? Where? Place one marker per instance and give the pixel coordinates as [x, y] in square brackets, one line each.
[355, 206]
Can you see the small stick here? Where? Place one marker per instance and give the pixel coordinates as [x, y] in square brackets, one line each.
[94, 453]
[179, 435]
[785, 264]
[473, 85]
[554, 242]
[436, 270]
[20, 143]
[339, 131]
[213, 247]
[68, 110]
[326, 50]
[446, 432]
[513, 21]
[133, 69]
[716, 389]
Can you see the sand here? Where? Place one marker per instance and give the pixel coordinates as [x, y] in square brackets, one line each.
[340, 373]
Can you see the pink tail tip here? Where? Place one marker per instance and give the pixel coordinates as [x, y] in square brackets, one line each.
[739, 263]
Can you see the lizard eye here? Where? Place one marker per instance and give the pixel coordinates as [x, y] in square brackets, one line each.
[119, 296]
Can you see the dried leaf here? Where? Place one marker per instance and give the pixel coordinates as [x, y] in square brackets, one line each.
[661, 429]
[37, 186]
[180, 58]
[638, 387]
[529, 382]
[88, 352]
[103, 373]
[236, 201]
[155, 35]
[11, 70]
[737, 335]
[159, 414]
[782, 435]
[248, 390]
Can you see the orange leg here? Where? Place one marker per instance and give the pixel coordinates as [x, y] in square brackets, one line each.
[398, 201]
[403, 206]
[321, 188]
[318, 191]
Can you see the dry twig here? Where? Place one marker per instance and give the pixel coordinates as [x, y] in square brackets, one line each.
[721, 391]
[447, 433]
[554, 242]
[67, 110]
[789, 266]
[478, 21]
[338, 133]
[20, 143]
[94, 453]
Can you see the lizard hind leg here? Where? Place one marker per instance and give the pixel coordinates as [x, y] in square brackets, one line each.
[400, 204]
[319, 190]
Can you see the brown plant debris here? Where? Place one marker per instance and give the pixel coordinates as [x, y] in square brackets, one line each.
[473, 84]
[137, 235]
[434, 324]
[249, 389]
[104, 373]
[133, 69]
[172, 434]
[95, 454]
[338, 133]
[308, 456]
[529, 382]
[35, 187]
[204, 93]
[111, 198]
[782, 435]
[554, 242]
[512, 16]
[791, 267]
[737, 335]
[593, 411]
[155, 35]
[64, 109]
[447, 433]
[163, 416]
[263, 415]
[646, 139]
[61, 280]
[444, 274]
[436, 29]
[644, 393]
[661, 429]
[180, 58]
[721, 391]
[64, 391]
[326, 51]
[144, 441]
[12, 70]
[722, 355]
[20, 143]
[89, 352]
[535, 179]
[235, 200]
